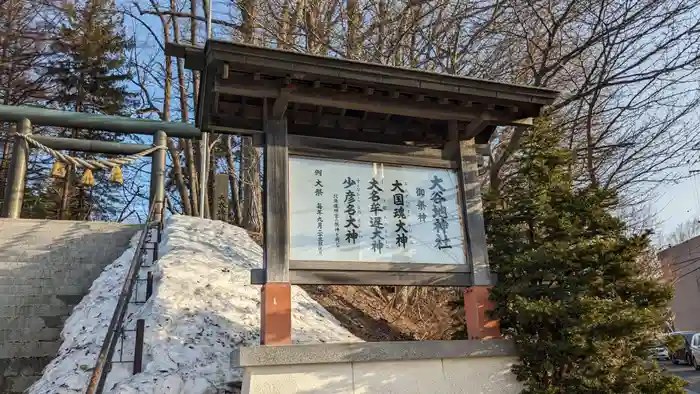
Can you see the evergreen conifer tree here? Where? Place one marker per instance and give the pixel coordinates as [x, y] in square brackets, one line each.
[569, 292]
[90, 74]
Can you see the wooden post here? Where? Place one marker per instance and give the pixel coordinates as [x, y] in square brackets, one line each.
[276, 302]
[476, 298]
[470, 187]
[476, 308]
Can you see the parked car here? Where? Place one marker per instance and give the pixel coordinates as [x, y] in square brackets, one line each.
[695, 351]
[659, 352]
[684, 354]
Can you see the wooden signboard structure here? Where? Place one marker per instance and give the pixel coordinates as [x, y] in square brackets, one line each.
[370, 171]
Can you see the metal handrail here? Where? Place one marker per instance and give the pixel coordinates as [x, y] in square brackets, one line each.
[99, 374]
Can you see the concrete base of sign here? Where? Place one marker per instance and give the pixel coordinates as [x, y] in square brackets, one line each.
[455, 367]
[476, 307]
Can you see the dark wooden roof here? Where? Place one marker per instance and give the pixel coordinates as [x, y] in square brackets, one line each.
[338, 98]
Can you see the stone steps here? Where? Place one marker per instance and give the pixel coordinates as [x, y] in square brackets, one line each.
[46, 267]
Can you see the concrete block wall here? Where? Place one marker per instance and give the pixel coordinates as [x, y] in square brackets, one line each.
[435, 367]
[681, 267]
[487, 375]
[46, 267]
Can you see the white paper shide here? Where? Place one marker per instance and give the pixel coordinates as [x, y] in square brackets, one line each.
[371, 212]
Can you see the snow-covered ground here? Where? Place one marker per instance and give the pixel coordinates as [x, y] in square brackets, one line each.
[202, 307]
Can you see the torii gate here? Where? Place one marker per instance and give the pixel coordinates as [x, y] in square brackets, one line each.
[25, 117]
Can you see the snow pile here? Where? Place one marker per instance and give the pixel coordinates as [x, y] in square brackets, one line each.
[201, 308]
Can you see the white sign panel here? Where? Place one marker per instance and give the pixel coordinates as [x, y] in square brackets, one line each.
[351, 211]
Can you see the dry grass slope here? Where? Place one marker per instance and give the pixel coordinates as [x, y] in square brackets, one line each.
[391, 313]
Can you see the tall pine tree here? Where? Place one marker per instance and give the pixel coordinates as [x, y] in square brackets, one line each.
[91, 76]
[570, 292]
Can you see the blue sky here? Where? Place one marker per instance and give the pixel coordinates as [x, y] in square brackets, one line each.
[677, 204]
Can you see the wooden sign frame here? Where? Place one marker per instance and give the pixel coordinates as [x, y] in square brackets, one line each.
[326, 107]
[458, 155]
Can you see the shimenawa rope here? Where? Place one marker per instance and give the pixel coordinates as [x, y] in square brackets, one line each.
[103, 164]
